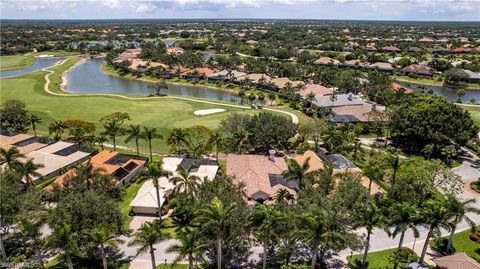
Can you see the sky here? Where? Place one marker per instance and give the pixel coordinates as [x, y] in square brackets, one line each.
[408, 10]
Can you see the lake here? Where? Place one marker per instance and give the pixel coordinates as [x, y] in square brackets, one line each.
[448, 92]
[89, 78]
[39, 63]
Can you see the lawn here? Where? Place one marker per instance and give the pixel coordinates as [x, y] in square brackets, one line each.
[376, 260]
[462, 243]
[474, 112]
[164, 114]
[170, 266]
[16, 61]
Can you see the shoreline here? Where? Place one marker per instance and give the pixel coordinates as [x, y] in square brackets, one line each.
[476, 88]
[115, 74]
[64, 84]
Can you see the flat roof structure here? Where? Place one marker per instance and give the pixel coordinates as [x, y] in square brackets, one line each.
[340, 100]
[25, 143]
[56, 156]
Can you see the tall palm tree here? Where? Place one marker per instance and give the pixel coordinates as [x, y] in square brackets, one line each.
[154, 171]
[84, 174]
[459, 209]
[28, 170]
[134, 132]
[102, 237]
[216, 216]
[283, 197]
[298, 172]
[185, 181]
[216, 140]
[177, 138]
[264, 221]
[64, 238]
[101, 139]
[149, 134]
[58, 128]
[113, 129]
[34, 119]
[146, 236]
[403, 216]
[371, 217]
[435, 215]
[188, 246]
[10, 156]
[314, 232]
[271, 96]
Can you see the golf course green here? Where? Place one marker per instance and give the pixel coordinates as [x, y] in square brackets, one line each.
[163, 113]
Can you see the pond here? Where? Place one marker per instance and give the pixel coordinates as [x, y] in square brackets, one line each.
[448, 92]
[39, 63]
[89, 78]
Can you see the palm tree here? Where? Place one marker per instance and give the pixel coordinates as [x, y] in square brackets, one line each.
[298, 172]
[403, 216]
[103, 236]
[34, 119]
[149, 134]
[188, 246]
[113, 129]
[217, 141]
[216, 216]
[264, 221]
[64, 238]
[271, 96]
[101, 139]
[28, 170]
[58, 128]
[10, 156]
[177, 138]
[185, 182]
[310, 97]
[435, 216]
[314, 232]
[371, 217]
[154, 171]
[146, 236]
[283, 197]
[241, 94]
[134, 132]
[84, 174]
[460, 93]
[459, 210]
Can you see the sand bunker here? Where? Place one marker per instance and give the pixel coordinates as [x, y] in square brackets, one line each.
[208, 111]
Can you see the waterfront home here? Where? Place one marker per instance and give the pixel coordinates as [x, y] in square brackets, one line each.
[55, 157]
[128, 54]
[417, 69]
[225, 75]
[381, 66]
[340, 165]
[337, 100]
[25, 143]
[145, 202]
[315, 89]
[259, 79]
[122, 167]
[472, 77]
[326, 61]
[399, 87]
[198, 72]
[280, 83]
[261, 175]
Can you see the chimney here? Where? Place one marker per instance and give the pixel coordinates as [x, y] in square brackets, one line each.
[271, 155]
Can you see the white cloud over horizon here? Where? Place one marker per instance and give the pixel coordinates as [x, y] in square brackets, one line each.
[448, 10]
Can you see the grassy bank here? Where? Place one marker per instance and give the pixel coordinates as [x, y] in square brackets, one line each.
[474, 112]
[162, 113]
[377, 260]
[10, 62]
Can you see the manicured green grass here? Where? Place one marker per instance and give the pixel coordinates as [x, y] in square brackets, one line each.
[376, 260]
[129, 192]
[16, 61]
[474, 112]
[162, 113]
[462, 243]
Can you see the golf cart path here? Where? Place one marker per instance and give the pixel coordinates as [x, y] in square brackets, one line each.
[294, 117]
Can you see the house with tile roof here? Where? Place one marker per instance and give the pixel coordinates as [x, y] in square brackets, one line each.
[25, 143]
[122, 167]
[326, 61]
[340, 165]
[315, 89]
[417, 69]
[381, 66]
[261, 175]
[456, 261]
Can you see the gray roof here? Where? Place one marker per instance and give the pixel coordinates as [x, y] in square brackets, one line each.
[471, 74]
[340, 162]
[342, 100]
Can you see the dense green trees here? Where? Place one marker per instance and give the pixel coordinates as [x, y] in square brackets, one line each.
[431, 120]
